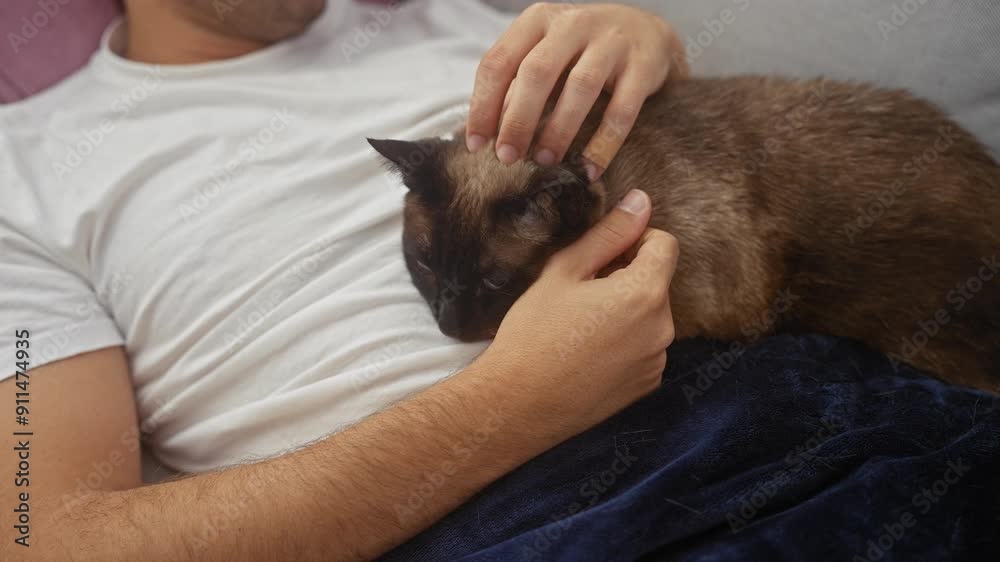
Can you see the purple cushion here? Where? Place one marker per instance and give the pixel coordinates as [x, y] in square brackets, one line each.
[46, 40]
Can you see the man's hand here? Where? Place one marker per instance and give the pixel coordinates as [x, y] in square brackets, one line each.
[603, 338]
[573, 350]
[623, 49]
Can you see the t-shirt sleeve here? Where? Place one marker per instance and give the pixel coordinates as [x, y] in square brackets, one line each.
[56, 309]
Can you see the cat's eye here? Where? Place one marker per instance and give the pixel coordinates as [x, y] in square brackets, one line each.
[496, 280]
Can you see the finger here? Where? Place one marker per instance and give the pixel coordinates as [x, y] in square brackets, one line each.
[536, 77]
[583, 85]
[506, 97]
[679, 69]
[656, 255]
[620, 262]
[607, 239]
[494, 75]
[619, 117]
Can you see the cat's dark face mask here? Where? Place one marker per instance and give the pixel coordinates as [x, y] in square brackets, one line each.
[476, 233]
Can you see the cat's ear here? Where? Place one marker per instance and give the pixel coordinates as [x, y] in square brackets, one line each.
[574, 197]
[414, 160]
[559, 203]
[534, 217]
[405, 156]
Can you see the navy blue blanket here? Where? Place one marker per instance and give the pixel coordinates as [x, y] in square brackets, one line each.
[802, 448]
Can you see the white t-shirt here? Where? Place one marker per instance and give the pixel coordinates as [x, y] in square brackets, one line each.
[230, 226]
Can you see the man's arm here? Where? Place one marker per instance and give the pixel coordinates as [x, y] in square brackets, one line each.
[335, 498]
[349, 496]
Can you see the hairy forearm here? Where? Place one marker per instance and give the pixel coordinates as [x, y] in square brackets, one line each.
[353, 495]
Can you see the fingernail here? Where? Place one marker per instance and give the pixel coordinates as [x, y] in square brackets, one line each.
[593, 171]
[634, 202]
[507, 154]
[545, 157]
[474, 142]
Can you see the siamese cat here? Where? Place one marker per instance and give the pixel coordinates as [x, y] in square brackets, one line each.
[874, 214]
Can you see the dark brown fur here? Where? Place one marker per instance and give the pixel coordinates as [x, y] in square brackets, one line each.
[869, 206]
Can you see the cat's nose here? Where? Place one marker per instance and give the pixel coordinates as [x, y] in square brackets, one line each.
[447, 318]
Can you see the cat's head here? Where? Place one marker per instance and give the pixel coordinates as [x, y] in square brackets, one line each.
[477, 232]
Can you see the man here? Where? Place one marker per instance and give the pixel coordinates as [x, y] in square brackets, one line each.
[198, 243]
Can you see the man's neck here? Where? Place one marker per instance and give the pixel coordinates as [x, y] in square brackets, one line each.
[160, 34]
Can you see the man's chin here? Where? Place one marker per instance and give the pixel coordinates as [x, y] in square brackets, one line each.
[267, 21]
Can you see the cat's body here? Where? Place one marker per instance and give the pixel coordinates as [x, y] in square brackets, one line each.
[799, 205]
